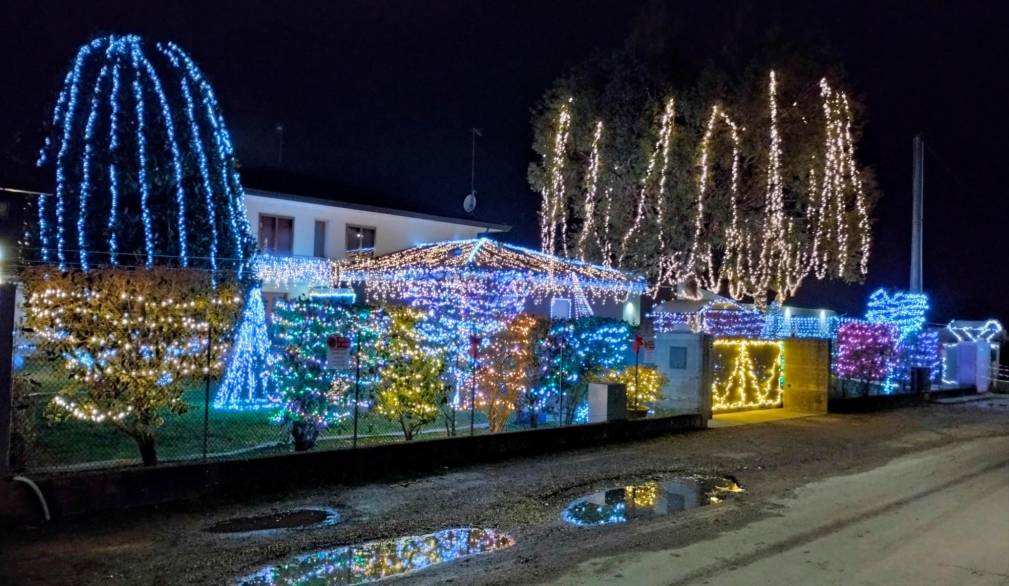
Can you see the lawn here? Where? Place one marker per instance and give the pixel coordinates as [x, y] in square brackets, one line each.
[230, 434]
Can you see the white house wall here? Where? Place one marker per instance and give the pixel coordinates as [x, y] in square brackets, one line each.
[392, 232]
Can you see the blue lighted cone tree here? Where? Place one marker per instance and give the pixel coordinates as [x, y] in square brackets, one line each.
[411, 375]
[145, 179]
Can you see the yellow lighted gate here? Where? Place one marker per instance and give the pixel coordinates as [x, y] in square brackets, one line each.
[746, 374]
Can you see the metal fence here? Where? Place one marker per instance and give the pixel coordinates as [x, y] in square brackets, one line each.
[43, 442]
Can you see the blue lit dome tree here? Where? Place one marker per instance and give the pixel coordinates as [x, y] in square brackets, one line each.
[145, 170]
[146, 228]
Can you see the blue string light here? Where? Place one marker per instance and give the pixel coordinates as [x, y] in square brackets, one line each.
[902, 309]
[169, 125]
[175, 88]
[113, 172]
[244, 385]
[89, 133]
[201, 155]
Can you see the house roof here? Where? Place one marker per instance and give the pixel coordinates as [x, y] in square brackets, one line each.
[482, 257]
[280, 184]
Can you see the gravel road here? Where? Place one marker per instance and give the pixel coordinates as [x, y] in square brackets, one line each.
[776, 463]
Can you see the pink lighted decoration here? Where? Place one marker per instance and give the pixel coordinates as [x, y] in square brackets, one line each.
[866, 351]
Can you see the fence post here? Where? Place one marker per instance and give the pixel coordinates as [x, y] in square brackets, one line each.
[6, 363]
[206, 389]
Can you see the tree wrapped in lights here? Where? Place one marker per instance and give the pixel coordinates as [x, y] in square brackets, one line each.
[144, 165]
[410, 375]
[866, 352]
[314, 396]
[745, 181]
[507, 371]
[574, 352]
[131, 341]
[643, 384]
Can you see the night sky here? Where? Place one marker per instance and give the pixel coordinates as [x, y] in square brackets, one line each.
[382, 95]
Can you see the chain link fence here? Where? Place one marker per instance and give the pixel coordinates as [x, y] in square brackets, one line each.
[42, 442]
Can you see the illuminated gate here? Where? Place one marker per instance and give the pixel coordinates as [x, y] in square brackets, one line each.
[746, 374]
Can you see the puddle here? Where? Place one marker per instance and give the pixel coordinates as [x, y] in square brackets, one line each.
[375, 560]
[293, 519]
[648, 499]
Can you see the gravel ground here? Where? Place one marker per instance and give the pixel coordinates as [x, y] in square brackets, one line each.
[522, 497]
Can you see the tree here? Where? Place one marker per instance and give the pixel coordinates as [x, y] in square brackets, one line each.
[643, 384]
[314, 395]
[866, 353]
[131, 341]
[576, 351]
[144, 166]
[507, 371]
[712, 175]
[410, 377]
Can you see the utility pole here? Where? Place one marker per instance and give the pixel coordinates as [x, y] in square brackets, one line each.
[918, 185]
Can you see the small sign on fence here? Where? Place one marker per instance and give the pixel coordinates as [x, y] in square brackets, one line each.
[337, 352]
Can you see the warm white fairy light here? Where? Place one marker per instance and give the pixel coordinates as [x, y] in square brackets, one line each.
[603, 234]
[772, 252]
[482, 266]
[745, 387]
[659, 158]
[701, 261]
[281, 271]
[823, 229]
[591, 189]
[554, 207]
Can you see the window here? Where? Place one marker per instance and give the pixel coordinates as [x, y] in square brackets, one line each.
[360, 238]
[677, 357]
[320, 238]
[560, 308]
[276, 235]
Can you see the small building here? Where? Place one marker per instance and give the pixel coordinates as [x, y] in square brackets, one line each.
[971, 352]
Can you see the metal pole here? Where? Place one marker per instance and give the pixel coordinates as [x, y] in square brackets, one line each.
[637, 355]
[6, 362]
[357, 383]
[917, 181]
[560, 381]
[472, 397]
[206, 389]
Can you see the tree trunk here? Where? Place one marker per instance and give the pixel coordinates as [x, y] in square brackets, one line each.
[407, 432]
[148, 453]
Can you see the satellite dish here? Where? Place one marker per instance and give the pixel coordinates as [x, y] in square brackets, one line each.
[469, 203]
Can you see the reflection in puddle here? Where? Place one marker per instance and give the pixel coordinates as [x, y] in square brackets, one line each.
[293, 519]
[375, 560]
[648, 499]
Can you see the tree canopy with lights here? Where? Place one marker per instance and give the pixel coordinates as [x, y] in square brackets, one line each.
[747, 183]
[145, 170]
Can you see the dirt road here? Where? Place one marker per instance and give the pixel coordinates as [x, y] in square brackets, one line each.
[938, 517]
[915, 496]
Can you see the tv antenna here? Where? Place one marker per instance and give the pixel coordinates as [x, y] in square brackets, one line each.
[469, 202]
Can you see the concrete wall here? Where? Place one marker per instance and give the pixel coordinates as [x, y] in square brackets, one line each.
[807, 375]
[97, 491]
[684, 391]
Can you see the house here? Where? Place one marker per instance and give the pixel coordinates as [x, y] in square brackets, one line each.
[301, 223]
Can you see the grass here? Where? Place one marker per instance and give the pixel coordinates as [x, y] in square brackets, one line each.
[69, 444]
[73, 443]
